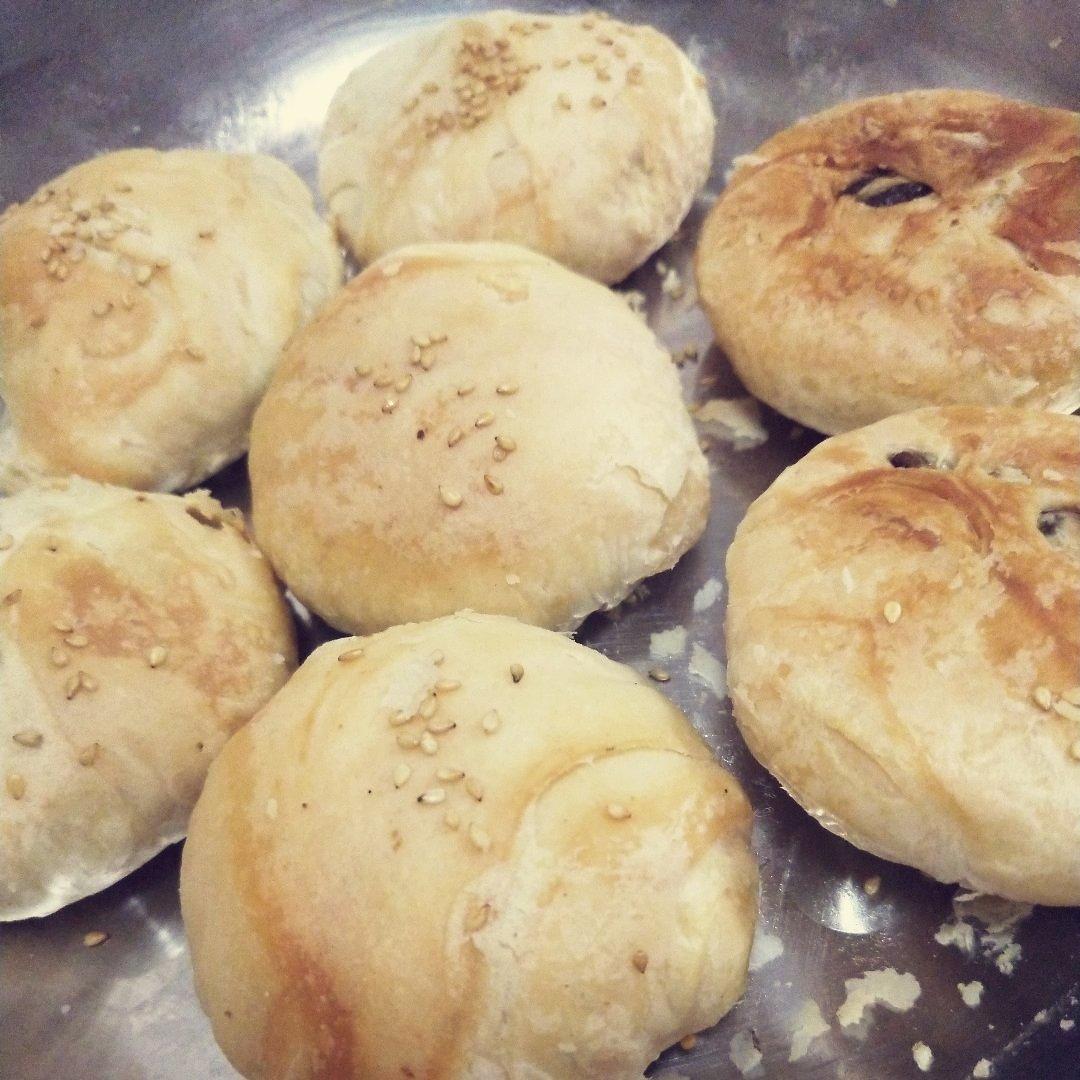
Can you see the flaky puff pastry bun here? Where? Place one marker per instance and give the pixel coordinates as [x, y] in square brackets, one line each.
[578, 136]
[901, 251]
[137, 632]
[145, 297]
[904, 643]
[466, 848]
[472, 425]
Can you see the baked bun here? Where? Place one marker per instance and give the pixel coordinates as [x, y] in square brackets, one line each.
[915, 249]
[144, 301]
[556, 882]
[904, 643]
[578, 136]
[473, 426]
[137, 632]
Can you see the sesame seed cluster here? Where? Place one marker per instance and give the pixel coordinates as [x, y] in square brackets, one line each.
[487, 69]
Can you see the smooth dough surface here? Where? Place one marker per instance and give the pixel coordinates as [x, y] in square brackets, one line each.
[472, 425]
[145, 297]
[904, 643]
[838, 312]
[137, 632]
[557, 883]
[578, 136]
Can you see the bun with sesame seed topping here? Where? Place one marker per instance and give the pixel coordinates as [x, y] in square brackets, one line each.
[145, 297]
[564, 893]
[904, 643]
[581, 137]
[137, 632]
[538, 460]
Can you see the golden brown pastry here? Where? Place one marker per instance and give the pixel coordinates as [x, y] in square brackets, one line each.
[137, 632]
[904, 643]
[145, 297]
[472, 425]
[916, 249]
[465, 848]
[579, 136]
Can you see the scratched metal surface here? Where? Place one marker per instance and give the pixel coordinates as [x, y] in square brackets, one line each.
[79, 78]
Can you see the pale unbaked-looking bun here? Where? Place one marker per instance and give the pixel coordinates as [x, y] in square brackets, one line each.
[144, 301]
[466, 848]
[578, 136]
[137, 632]
[916, 249]
[904, 643]
[472, 425]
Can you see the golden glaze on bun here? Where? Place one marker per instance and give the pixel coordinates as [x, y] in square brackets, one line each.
[904, 643]
[472, 425]
[137, 632]
[578, 136]
[144, 301]
[839, 309]
[543, 873]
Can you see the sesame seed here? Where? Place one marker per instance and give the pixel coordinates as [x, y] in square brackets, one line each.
[493, 485]
[490, 723]
[362, 370]
[429, 744]
[449, 776]
[688, 1042]
[428, 707]
[399, 719]
[77, 641]
[72, 685]
[1072, 696]
[1067, 709]
[430, 88]
[597, 102]
[640, 960]
[408, 740]
[480, 839]
[95, 938]
[506, 389]
[586, 57]
[401, 775]
[465, 389]
[617, 812]
[602, 74]
[872, 885]
[513, 579]
[484, 420]
[432, 797]
[89, 754]
[564, 102]
[28, 737]
[455, 437]
[634, 74]
[87, 682]
[450, 497]
[16, 785]
[475, 789]
[63, 626]
[559, 64]
[477, 918]
[207, 234]
[517, 672]
[128, 300]
[143, 274]
[102, 308]
[427, 361]
[1044, 698]
[383, 381]
[505, 443]
[194, 352]
[351, 654]
[892, 611]
[444, 686]
[403, 384]
[12, 597]
[389, 405]
[6, 541]
[659, 675]
[437, 657]
[1074, 750]
[453, 820]
[157, 656]
[440, 727]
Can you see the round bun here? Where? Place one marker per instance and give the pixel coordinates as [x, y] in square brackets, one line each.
[137, 632]
[144, 301]
[909, 250]
[555, 882]
[473, 426]
[904, 643]
[578, 136]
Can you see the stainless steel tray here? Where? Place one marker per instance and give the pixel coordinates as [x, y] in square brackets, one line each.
[79, 78]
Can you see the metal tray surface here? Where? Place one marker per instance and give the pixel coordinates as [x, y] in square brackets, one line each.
[80, 78]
